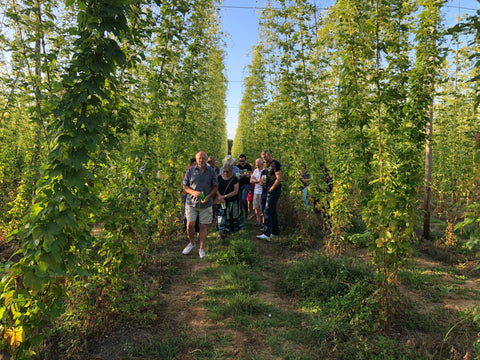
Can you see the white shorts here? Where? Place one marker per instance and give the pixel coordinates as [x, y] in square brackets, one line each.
[205, 215]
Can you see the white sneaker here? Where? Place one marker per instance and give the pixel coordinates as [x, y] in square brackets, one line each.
[263, 237]
[188, 248]
[274, 236]
[201, 252]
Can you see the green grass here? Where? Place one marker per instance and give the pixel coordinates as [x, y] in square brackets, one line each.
[233, 280]
[418, 279]
[436, 283]
[169, 348]
[239, 252]
[242, 304]
[337, 308]
[308, 306]
[317, 278]
[158, 348]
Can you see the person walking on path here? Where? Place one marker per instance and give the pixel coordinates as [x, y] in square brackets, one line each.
[257, 191]
[212, 161]
[273, 182]
[200, 183]
[228, 210]
[244, 183]
[228, 159]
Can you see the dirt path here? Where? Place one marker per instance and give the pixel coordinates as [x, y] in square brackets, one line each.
[182, 314]
[183, 304]
[179, 311]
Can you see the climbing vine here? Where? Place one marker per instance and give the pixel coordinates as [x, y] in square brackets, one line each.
[56, 235]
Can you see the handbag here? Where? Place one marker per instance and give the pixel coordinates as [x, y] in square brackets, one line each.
[215, 199]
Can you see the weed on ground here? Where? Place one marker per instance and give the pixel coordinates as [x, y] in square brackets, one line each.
[252, 299]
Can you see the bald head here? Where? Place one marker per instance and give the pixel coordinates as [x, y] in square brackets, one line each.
[201, 158]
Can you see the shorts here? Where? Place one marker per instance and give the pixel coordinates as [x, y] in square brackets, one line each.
[257, 201]
[205, 215]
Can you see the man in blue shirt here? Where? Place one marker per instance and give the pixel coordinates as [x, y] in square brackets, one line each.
[201, 184]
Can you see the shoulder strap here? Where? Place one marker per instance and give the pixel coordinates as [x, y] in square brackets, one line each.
[228, 185]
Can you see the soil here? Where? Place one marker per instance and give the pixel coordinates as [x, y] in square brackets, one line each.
[181, 310]
[180, 307]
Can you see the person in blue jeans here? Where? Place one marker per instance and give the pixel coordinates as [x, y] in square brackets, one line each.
[244, 183]
[304, 179]
[273, 184]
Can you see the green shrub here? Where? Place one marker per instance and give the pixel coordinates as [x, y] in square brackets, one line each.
[358, 226]
[242, 304]
[331, 328]
[317, 278]
[240, 252]
[360, 240]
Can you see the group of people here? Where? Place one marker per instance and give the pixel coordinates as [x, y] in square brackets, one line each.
[224, 194]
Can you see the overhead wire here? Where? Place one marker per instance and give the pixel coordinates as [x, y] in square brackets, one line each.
[322, 8]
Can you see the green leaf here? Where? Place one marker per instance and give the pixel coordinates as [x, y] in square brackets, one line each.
[66, 219]
[33, 281]
[3, 313]
[477, 157]
[36, 209]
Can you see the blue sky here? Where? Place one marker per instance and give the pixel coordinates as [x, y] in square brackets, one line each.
[240, 23]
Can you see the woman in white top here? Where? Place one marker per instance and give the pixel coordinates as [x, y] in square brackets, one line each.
[257, 191]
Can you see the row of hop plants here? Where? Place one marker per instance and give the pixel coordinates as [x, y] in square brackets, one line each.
[352, 96]
[106, 156]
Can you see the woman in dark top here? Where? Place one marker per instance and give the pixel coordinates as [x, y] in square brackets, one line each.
[228, 209]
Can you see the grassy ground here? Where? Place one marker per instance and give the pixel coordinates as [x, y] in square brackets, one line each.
[251, 299]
